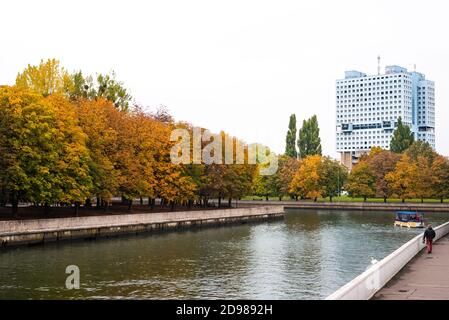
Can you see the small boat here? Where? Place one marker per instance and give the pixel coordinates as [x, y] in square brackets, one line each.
[409, 219]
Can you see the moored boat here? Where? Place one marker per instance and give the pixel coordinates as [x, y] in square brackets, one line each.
[409, 219]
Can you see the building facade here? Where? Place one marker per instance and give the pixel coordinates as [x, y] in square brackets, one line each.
[368, 108]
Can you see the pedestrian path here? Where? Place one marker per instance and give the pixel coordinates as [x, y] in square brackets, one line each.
[425, 277]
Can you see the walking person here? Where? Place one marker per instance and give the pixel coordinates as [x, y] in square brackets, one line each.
[428, 237]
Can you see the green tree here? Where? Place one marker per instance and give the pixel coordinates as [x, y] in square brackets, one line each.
[109, 88]
[268, 186]
[309, 142]
[333, 176]
[402, 138]
[361, 181]
[290, 140]
[421, 149]
[44, 156]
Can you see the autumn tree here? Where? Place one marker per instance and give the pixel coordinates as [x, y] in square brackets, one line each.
[46, 78]
[381, 162]
[440, 178]
[287, 169]
[95, 118]
[403, 179]
[306, 181]
[361, 181]
[423, 178]
[44, 156]
[402, 138]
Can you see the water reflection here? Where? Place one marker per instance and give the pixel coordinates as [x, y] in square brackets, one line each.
[308, 255]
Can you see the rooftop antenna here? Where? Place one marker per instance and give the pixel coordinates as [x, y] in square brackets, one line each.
[378, 65]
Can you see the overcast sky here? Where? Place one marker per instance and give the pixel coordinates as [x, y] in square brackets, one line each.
[239, 66]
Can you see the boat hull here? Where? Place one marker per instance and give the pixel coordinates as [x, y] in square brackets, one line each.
[409, 224]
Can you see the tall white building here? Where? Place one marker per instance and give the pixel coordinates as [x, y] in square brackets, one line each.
[368, 108]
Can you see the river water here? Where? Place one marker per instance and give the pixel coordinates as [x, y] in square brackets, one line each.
[307, 255]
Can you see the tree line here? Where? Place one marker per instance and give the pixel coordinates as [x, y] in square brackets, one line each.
[67, 139]
[410, 170]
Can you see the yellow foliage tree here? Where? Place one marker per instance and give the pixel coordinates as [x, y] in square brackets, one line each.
[402, 180]
[306, 181]
[46, 78]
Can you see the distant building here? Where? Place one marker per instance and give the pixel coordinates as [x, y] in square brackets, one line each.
[368, 108]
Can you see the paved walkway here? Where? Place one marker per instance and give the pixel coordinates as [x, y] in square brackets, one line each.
[425, 277]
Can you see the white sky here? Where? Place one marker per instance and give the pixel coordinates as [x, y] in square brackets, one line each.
[240, 66]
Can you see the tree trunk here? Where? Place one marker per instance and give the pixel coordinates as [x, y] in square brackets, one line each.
[280, 198]
[189, 204]
[403, 200]
[88, 203]
[141, 201]
[15, 206]
[219, 202]
[364, 199]
[130, 204]
[385, 199]
[230, 202]
[98, 203]
[46, 208]
[172, 206]
[266, 198]
[422, 200]
[77, 205]
[441, 200]
[330, 198]
[296, 198]
[314, 199]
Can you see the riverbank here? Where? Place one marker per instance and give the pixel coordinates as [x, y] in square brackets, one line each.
[363, 206]
[19, 232]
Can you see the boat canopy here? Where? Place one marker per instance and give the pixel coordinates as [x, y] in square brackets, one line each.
[408, 212]
[409, 216]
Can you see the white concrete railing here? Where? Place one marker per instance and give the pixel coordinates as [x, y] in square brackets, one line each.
[372, 280]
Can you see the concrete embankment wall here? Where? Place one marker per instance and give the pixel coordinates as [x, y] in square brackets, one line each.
[365, 286]
[367, 206]
[16, 232]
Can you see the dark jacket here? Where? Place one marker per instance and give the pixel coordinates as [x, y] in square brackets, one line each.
[429, 234]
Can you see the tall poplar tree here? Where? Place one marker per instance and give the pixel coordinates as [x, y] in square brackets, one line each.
[309, 142]
[290, 140]
[402, 138]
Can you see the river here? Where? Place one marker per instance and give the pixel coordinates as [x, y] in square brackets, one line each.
[307, 255]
